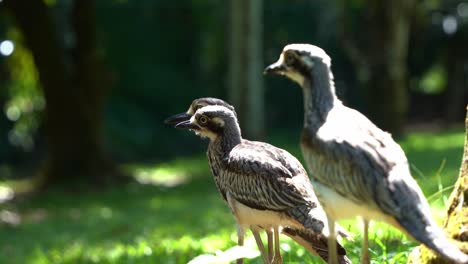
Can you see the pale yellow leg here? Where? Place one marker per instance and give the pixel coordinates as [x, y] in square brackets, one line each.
[240, 241]
[332, 250]
[277, 259]
[365, 243]
[258, 239]
[270, 244]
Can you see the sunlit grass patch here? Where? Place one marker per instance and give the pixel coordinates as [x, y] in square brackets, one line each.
[8, 188]
[168, 173]
[434, 141]
[226, 256]
[79, 252]
[435, 160]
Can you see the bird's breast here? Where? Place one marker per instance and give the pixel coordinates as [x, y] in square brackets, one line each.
[247, 216]
[341, 207]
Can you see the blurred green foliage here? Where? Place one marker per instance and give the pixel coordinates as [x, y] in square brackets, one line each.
[163, 54]
[157, 223]
[434, 80]
[25, 100]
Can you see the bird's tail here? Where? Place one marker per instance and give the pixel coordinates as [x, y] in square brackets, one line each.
[425, 230]
[317, 244]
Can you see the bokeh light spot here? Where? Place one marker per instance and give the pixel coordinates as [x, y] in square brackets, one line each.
[7, 47]
[13, 113]
[450, 25]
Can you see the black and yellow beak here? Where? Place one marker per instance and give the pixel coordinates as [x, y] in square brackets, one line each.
[176, 119]
[275, 68]
[187, 124]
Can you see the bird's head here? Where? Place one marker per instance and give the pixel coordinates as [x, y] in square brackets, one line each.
[197, 104]
[212, 122]
[297, 62]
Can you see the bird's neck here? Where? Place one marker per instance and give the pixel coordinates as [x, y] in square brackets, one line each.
[319, 96]
[227, 140]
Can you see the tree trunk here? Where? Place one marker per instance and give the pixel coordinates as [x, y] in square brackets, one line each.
[380, 59]
[457, 77]
[456, 220]
[73, 92]
[245, 65]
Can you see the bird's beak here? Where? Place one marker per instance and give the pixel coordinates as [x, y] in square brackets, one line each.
[187, 124]
[176, 119]
[275, 68]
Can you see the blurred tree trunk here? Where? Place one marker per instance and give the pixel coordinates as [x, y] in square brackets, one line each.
[245, 65]
[456, 220]
[73, 89]
[379, 56]
[457, 76]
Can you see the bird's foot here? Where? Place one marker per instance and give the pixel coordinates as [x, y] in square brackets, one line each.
[277, 259]
[240, 261]
[365, 259]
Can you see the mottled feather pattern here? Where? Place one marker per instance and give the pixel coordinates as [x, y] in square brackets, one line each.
[260, 178]
[357, 167]
[264, 177]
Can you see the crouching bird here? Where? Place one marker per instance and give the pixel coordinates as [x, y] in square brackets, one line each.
[264, 186]
[358, 169]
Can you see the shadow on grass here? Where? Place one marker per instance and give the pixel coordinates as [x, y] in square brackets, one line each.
[135, 224]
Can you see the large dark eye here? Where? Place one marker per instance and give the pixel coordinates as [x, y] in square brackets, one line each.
[203, 120]
[289, 59]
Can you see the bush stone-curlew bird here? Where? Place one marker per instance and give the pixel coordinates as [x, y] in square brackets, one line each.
[265, 187]
[357, 169]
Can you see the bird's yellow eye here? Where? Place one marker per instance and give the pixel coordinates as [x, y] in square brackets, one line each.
[203, 120]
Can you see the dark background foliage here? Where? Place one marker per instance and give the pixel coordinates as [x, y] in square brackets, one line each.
[160, 55]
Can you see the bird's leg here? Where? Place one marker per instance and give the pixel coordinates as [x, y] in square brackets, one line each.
[365, 243]
[332, 250]
[260, 245]
[240, 241]
[270, 244]
[277, 257]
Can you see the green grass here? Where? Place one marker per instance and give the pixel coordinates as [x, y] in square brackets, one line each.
[176, 214]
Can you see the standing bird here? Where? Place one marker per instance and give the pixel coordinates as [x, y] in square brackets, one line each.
[185, 116]
[265, 187]
[358, 169]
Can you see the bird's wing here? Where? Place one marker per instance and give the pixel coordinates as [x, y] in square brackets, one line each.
[363, 163]
[264, 177]
[384, 171]
[258, 177]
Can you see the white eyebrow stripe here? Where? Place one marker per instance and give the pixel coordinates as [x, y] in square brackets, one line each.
[311, 50]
